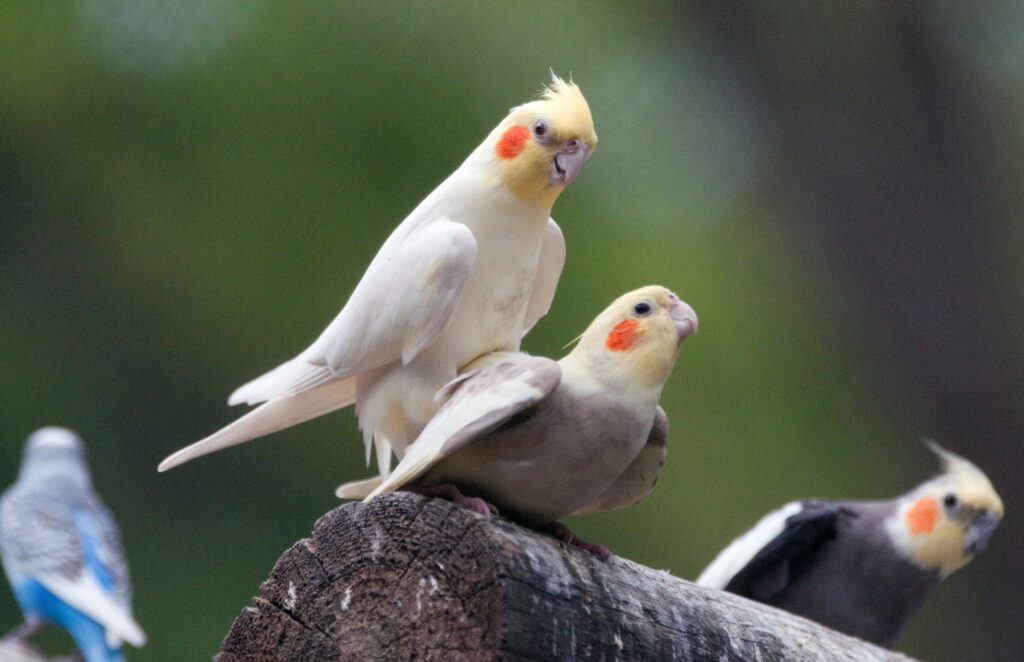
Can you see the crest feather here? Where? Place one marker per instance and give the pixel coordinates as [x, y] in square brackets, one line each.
[970, 481]
[561, 90]
[953, 463]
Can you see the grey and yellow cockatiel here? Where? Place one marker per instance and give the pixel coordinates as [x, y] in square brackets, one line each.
[468, 272]
[540, 439]
[863, 567]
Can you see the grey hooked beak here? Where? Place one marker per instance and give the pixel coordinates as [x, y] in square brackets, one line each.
[684, 318]
[979, 530]
[567, 163]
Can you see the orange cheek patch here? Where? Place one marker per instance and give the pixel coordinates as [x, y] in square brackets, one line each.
[922, 515]
[512, 141]
[623, 335]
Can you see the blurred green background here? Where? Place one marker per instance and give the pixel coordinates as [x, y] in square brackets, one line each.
[190, 190]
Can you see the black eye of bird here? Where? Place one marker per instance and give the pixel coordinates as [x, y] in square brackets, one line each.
[950, 500]
[642, 308]
[540, 127]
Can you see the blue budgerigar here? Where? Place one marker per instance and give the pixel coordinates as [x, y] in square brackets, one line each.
[61, 550]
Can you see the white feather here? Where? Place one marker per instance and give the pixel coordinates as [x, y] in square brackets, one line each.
[85, 594]
[403, 302]
[740, 551]
[358, 489]
[549, 269]
[269, 417]
[289, 378]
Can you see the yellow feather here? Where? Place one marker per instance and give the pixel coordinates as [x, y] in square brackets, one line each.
[942, 547]
[565, 109]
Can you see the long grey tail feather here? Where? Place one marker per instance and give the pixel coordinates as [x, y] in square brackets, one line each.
[271, 416]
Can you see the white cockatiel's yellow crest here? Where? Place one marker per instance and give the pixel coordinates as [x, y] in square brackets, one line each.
[542, 144]
[935, 523]
[641, 331]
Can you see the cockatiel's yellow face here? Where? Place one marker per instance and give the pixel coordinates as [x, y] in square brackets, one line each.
[640, 332]
[947, 521]
[542, 145]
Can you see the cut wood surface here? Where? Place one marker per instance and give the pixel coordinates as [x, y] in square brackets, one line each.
[405, 577]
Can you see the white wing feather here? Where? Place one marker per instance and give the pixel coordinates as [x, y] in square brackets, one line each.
[271, 416]
[289, 378]
[401, 305]
[403, 302]
[85, 594]
[740, 551]
[549, 269]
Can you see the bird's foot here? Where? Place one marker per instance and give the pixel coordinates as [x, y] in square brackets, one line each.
[562, 532]
[18, 635]
[452, 493]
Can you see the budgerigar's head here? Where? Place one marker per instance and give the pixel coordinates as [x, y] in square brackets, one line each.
[53, 450]
[639, 334]
[944, 523]
[541, 145]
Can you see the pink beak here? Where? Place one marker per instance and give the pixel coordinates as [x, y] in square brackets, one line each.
[684, 318]
[568, 163]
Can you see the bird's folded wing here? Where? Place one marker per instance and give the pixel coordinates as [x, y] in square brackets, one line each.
[757, 564]
[478, 403]
[402, 304]
[100, 590]
[638, 479]
[549, 269]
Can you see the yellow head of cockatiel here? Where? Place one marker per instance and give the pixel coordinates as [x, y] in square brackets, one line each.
[641, 332]
[946, 522]
[542, 145]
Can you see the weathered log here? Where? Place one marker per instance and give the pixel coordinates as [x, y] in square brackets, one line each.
[410, 578]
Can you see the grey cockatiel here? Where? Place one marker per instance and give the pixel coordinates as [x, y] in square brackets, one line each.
[540, 439]
[863, 567]
[468, 272]
[61, 550]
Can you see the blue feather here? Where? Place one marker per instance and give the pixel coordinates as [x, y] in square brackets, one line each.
[35, 599]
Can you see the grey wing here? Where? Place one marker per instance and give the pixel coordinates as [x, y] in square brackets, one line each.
[38, 535]
[479, 401]
[805, 527]
[638, 479]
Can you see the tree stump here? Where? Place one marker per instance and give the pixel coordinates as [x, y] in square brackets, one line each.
[405, 577]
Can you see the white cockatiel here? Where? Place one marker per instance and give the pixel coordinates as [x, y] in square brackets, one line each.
[468, 272]
[540, 439]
